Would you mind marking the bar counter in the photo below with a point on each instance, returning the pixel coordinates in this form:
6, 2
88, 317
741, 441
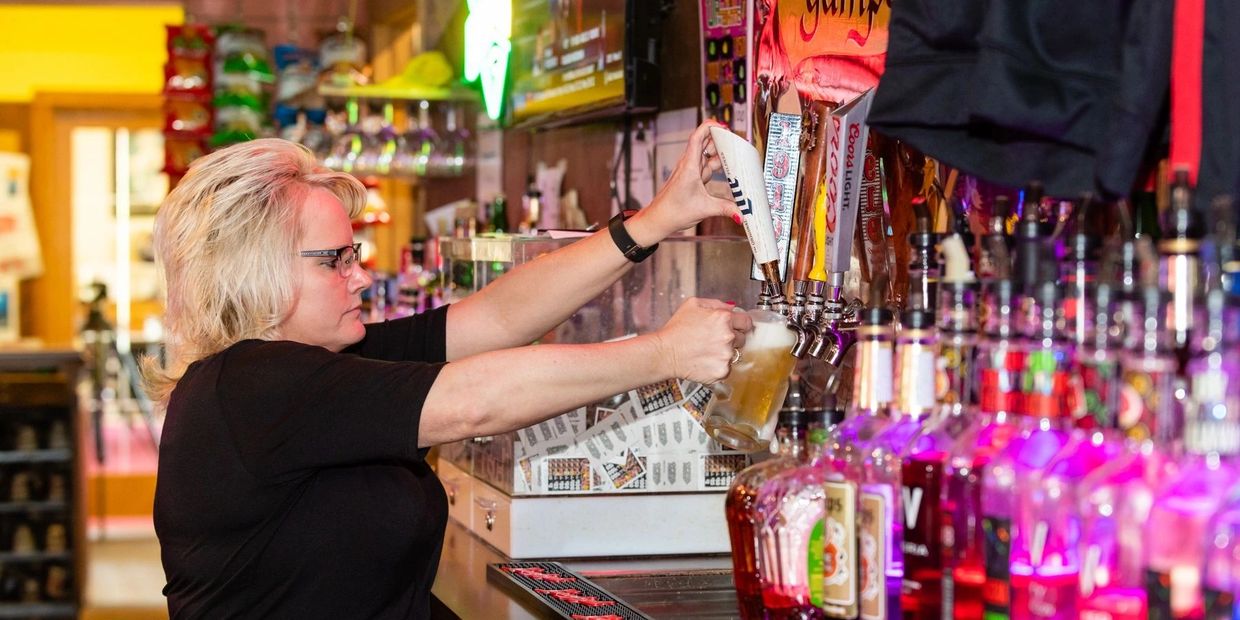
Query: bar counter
672, 587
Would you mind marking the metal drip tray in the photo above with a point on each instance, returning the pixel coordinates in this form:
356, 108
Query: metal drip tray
687, 594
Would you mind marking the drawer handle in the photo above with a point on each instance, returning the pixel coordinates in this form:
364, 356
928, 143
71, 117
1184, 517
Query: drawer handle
489, 506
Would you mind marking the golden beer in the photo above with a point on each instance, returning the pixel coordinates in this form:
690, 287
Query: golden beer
742, 413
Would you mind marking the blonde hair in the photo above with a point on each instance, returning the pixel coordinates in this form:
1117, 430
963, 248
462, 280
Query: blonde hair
226, 241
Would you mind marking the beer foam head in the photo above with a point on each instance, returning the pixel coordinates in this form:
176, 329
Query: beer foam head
770, 335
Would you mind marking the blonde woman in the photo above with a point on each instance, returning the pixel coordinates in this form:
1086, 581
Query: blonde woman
291, 480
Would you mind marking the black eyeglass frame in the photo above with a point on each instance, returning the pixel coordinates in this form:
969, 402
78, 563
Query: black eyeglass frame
337, 253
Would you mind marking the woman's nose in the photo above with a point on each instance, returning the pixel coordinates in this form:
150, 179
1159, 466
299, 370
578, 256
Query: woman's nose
360, 279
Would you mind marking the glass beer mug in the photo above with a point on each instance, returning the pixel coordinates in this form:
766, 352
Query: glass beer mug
741, 414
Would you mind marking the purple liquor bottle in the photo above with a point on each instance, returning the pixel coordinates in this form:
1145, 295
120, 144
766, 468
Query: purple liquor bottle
874, 494
1176, 533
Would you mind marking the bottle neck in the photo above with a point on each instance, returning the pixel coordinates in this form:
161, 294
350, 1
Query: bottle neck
915, 372
873, 376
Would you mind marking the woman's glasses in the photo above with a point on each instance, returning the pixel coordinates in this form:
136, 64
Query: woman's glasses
344, 257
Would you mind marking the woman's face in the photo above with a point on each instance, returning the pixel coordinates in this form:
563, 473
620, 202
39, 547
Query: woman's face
327, 307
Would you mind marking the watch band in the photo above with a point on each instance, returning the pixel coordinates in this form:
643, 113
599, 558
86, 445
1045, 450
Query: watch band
628, 247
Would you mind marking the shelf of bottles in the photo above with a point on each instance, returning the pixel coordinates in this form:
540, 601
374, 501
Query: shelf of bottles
393, 136
38, 546
1053, 432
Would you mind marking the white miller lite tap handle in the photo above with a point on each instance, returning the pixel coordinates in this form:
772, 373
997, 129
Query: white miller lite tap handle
743, 168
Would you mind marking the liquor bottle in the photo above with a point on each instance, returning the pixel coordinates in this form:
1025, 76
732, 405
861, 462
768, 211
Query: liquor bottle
929, 535
998, 362
1042, 561
923, 269
1043, 381
882, 491
1221, 580
1176, 532
789, 516
1114, 500
739, 506
992, 259
838, 574
531, 207
1147, 404
1078, 273
920, 457
1029, 248
1179, 266
872, 392
498, 216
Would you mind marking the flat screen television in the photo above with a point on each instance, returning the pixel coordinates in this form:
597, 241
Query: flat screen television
576, 60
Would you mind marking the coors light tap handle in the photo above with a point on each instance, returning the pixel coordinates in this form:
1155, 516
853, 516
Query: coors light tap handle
743, 168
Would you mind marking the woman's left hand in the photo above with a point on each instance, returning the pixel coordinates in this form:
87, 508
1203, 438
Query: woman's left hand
687, 198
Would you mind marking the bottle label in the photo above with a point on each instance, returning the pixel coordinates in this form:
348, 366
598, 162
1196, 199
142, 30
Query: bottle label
1045, 384
1219, 605
814, 564
839, 553
872, 527
1098, 395
1158, 595
922, 528
1143, 394
997, 591
998, 385
954, 375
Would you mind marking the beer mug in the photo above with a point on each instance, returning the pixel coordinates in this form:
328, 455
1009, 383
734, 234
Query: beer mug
742, 413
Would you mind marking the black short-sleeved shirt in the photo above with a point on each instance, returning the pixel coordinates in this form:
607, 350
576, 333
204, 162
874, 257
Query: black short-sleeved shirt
291, 484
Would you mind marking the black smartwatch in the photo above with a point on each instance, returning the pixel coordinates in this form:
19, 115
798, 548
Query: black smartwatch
628, 247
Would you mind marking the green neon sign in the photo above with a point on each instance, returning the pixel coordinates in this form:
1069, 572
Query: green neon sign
488, 30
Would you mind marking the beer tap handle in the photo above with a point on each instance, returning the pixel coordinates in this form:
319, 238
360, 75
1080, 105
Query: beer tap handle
744, 171
810, 211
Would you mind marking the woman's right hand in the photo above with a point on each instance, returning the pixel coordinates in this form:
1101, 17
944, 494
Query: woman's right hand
697, 342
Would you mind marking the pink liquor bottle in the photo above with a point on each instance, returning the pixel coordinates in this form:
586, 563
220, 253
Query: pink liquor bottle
739, 505
1046, 564
1221, 581
788, 517
1176, 532
1044, 432
1115, 500
998, 364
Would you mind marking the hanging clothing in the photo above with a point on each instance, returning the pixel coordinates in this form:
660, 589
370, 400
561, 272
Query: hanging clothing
1069, 93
